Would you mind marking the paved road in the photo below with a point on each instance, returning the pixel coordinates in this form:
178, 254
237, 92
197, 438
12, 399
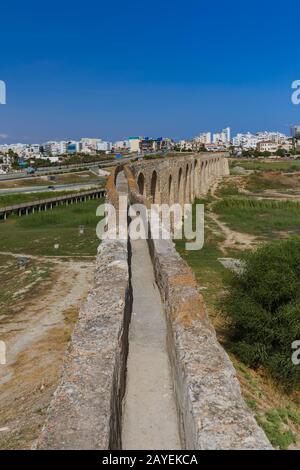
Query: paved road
66, 168
58, 187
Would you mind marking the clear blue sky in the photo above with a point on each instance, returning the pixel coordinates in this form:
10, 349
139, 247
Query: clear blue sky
174, 68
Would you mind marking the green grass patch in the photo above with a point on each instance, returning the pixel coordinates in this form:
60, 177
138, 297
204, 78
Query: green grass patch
209, 272
276, 411
38, 233
288, 166
228, 188
259, 217
275, 428
17, 283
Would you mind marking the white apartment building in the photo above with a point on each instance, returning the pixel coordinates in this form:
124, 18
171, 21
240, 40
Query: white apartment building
222, 137
267, 146
55, 148
276, 137
215, 147
104, 146
187, 145
121, 144
203, 138
89, 145
245, 141
16, 148
31, 151
134, 144
250, 141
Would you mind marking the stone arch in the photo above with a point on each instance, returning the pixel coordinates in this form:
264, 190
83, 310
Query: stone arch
180, 187
195, 179
171, 190
154, 188
186, 185
200, 179
206, 176
141, 183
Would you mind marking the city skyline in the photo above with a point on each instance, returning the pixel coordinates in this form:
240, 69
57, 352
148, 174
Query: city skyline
101, 69
4, 140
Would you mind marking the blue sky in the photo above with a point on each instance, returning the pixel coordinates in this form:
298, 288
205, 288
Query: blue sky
172, 68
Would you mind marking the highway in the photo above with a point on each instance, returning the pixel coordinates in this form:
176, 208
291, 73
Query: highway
44, 188
65, 168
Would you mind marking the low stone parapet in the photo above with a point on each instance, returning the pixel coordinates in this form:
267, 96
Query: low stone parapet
212, 412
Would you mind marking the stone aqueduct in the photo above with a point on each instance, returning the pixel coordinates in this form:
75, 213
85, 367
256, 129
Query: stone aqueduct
180, 180
87, 409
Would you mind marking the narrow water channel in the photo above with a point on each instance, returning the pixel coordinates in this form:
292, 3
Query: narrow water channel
149, 415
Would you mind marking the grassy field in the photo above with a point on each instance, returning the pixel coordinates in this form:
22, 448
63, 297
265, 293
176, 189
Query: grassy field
16, 283
286, 183
276, 412
266, 218
39, 305
292, 165
37, 233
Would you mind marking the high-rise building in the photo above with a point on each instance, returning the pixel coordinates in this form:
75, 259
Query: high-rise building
226, 133
134, 144
295, 131
203, 138
222, 137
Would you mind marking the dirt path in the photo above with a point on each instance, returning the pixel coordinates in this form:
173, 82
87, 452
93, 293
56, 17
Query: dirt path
233, 239
273, 194
36, 339
52, 259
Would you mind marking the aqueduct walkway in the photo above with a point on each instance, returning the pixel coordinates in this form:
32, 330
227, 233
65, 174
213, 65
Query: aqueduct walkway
145, 323
149, 416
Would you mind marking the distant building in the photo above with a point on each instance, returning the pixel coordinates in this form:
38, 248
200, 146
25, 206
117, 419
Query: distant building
134, 144
245, 141
32, 151
72, 147
148, 144
203, 138
295, 132
89, 145
104, 146
250, 141
222, 137
267, 146
215, 147
121, 145
55, 148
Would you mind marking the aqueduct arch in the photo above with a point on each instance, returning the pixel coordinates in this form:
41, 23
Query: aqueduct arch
154, 188
179, 179
141, 183
171, 198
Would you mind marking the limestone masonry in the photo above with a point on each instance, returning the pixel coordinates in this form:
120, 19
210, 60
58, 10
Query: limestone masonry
86, 411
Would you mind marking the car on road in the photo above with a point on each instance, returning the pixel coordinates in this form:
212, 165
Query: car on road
51, 187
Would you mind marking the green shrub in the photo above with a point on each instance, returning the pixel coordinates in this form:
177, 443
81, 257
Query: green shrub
263, 306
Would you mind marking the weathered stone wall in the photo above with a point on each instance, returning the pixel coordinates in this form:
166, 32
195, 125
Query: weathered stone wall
179, 179
86, 411
212, 413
